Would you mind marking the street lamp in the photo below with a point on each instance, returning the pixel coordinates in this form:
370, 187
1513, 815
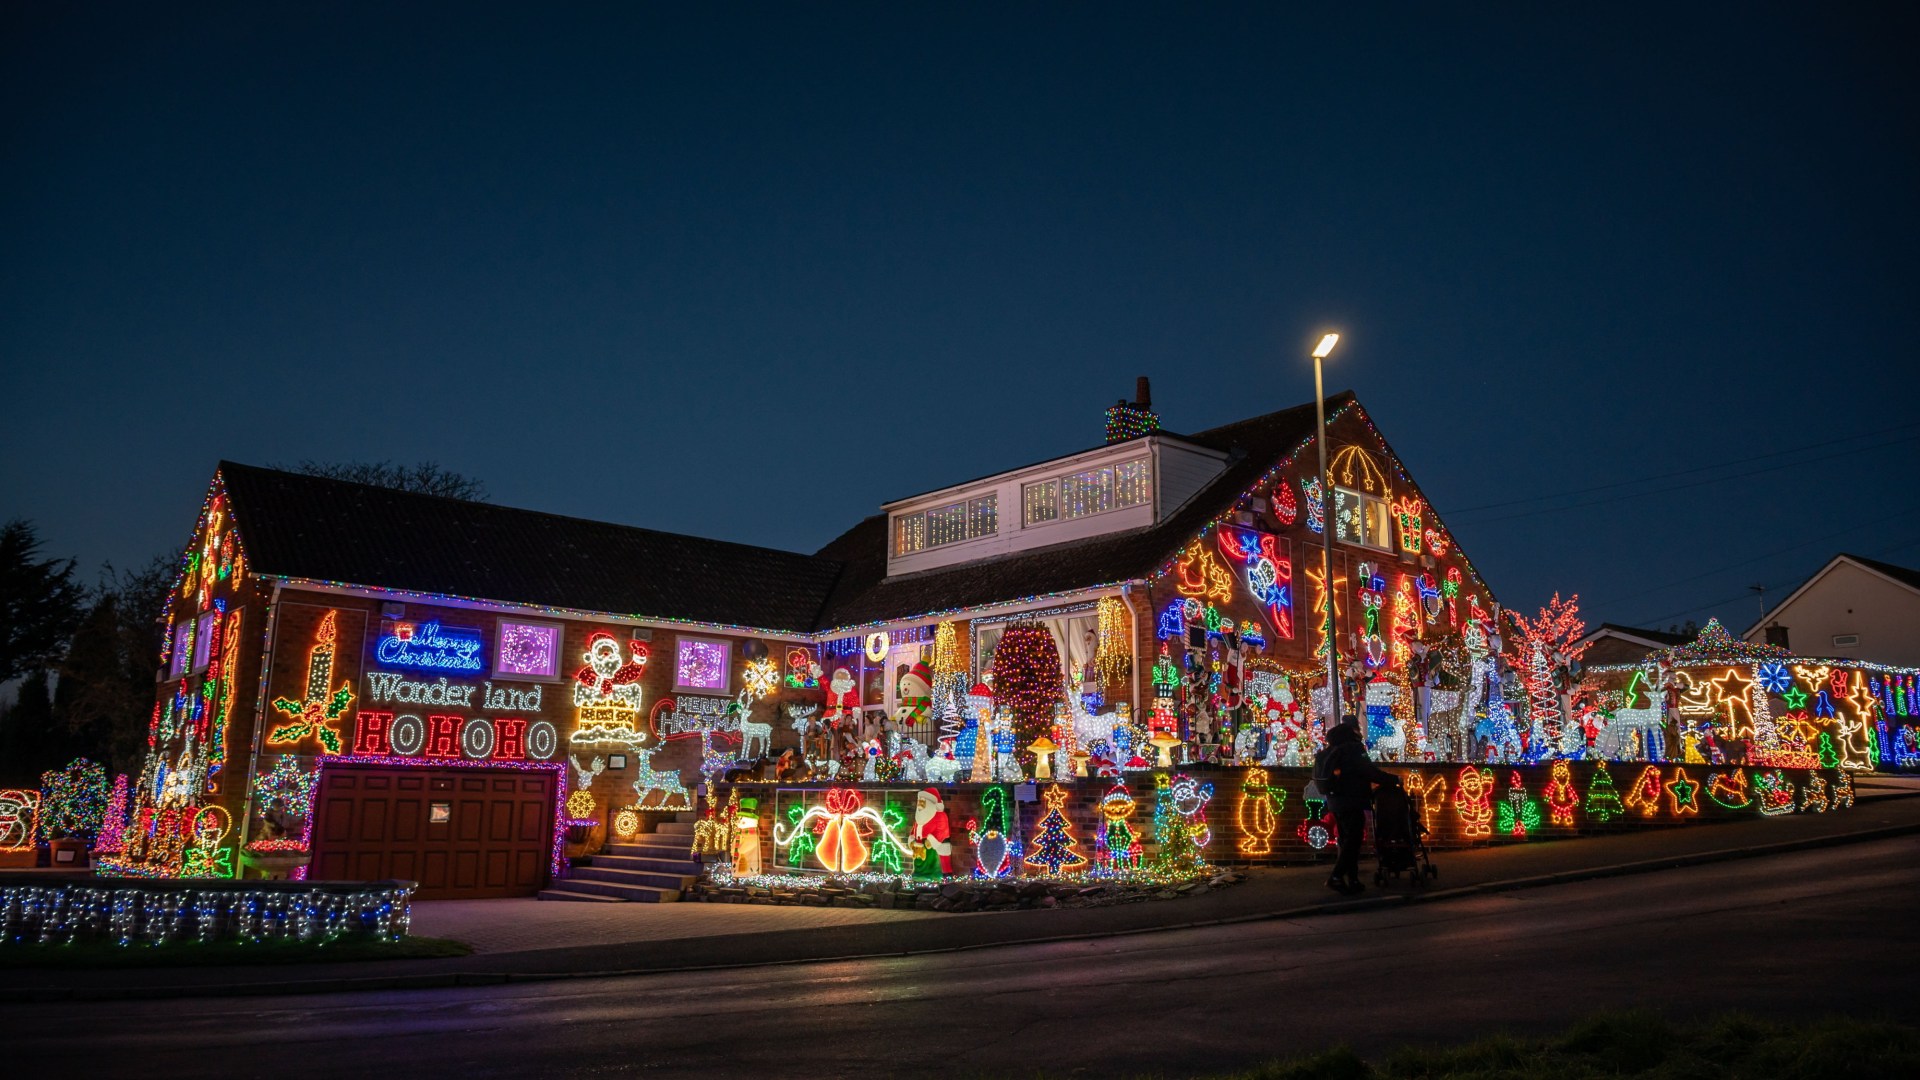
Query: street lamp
1320, 353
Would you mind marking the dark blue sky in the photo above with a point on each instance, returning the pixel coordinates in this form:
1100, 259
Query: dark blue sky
752, 274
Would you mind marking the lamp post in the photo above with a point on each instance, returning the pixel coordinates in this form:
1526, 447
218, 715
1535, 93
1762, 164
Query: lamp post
1320, 353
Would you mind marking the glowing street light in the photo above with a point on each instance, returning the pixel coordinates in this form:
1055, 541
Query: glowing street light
1320, 353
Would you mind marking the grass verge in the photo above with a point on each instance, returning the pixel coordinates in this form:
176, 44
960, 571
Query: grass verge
96, 954
1638, 1043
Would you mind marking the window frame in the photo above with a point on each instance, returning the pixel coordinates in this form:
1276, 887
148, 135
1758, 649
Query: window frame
1361, 499
969, 509
726, 672
559, 649
1058, 484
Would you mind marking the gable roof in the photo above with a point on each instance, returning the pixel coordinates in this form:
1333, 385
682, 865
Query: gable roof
1899, 575
323, 530
865, 594
320, 529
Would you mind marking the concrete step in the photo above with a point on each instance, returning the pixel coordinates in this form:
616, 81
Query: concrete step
678, 865
653, 851
625, 876
643, 894
672, 828
579, 897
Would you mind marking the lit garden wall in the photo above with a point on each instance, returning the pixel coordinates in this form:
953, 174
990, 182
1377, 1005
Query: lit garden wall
145, 911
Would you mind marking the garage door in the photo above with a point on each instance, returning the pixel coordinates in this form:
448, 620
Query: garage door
460, 833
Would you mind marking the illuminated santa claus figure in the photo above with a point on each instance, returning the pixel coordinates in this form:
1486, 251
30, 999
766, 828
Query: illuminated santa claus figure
607, 680
932, 851
843, 695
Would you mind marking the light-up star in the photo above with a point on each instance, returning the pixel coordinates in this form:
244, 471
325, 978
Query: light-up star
1795, 698
1684, 792
1732, 685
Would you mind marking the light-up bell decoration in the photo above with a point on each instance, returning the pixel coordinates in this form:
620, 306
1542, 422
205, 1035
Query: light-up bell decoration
840, 846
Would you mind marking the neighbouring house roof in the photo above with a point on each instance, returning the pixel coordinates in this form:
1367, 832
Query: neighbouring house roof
1652, 639
311, 527
1899, 575
302, 527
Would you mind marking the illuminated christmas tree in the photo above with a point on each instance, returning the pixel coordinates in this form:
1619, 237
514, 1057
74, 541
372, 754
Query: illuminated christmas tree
1027, 682
113, 824
1603, 800
1054, 846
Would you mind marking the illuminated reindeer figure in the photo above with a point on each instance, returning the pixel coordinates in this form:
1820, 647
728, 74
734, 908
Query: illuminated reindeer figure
666, 784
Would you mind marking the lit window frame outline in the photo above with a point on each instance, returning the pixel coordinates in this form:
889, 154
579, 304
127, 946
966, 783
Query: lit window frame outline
559, 655
200, 657
1060, 515
726, 676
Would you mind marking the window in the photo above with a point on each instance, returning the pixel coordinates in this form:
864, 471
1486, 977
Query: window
968, 519
203, 640
1361, 519
182, 648
1083, 494
701, 664
527, 650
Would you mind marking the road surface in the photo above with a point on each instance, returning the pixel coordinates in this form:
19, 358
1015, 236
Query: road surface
1829, 929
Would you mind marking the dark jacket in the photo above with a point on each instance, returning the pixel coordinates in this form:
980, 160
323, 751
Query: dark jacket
1349, 773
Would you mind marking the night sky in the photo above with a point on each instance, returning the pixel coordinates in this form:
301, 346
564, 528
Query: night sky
751, 275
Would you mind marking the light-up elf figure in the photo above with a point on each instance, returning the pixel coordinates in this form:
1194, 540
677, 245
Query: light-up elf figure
1118, 845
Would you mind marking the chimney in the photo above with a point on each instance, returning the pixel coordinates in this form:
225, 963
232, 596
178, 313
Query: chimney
1132, 419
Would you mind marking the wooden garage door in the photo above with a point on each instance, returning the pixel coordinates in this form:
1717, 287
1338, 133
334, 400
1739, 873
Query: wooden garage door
375, 823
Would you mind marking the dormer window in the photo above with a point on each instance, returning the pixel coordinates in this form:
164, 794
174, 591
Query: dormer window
968, 519
1089, 492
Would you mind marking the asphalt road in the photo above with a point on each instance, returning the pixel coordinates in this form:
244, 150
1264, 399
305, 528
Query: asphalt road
1831, 929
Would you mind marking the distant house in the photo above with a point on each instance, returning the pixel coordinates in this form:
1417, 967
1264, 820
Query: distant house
1611, 643
1854, 607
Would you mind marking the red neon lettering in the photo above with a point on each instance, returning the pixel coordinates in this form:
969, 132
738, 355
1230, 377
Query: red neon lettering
371, 733
443, 736
510, 738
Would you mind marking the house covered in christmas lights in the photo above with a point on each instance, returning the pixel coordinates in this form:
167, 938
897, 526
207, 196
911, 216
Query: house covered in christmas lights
363, 683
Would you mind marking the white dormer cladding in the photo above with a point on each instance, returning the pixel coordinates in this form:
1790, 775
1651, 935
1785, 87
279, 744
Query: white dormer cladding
1114, 488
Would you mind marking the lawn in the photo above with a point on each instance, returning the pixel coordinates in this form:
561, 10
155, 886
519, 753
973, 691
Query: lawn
1639, 1044
94, 954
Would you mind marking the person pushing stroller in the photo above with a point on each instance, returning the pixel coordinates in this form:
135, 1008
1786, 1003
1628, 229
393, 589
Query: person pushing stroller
1346, 777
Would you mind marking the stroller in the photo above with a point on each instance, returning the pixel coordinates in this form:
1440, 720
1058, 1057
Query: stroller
1399, 839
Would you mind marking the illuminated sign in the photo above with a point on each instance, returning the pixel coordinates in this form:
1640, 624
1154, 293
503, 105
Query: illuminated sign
431, 645
387, 686
478, 738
